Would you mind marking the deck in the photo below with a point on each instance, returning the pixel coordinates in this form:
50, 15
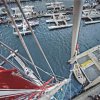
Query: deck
89, 62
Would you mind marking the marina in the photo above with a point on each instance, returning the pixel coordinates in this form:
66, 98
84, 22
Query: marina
89, 64
23, 31
31, 22
90, 94
60, 21
55, 6
59, 17
91, 16
51, 14
51, 66
13, 1
23, 27
28, 10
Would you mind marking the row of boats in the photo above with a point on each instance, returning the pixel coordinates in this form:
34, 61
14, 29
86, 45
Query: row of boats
90, 14
56, 13
13, 1
20, 21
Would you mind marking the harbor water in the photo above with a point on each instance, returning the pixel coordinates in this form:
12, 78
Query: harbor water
56, 45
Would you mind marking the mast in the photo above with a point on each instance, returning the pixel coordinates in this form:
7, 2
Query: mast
77, 11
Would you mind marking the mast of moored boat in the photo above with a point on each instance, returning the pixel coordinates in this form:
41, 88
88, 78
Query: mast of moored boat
77, 11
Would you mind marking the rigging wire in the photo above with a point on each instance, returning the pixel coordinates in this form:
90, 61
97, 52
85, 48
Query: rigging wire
18, 67
34, 36
20, 36
19, 55
11, 63
70, 76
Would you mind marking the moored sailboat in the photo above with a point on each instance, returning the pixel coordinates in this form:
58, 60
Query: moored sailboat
87, 62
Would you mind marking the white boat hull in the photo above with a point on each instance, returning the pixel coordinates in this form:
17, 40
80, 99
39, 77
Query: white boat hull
92, 22
32, 23
59, 20
78, 74
51, 14
60, 26
55, 7
90, 65
48, 4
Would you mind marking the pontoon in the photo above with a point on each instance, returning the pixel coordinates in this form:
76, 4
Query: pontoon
59, 17
60, 21
91, 16
55, 6
86, 65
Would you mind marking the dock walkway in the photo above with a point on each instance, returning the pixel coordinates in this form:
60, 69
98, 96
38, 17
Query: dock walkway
90, 92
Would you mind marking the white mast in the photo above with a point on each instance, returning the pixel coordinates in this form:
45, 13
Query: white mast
77, 11
54, 89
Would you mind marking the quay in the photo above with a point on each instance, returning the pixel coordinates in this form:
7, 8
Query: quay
88, 94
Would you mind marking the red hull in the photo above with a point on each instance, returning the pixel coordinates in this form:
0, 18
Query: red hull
10, 80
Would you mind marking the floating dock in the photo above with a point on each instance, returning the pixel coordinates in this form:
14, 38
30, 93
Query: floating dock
31, 22
89, 94
28, 11
22, 32
51, 14
91, 16
55, 6
58, 17
89, 62
59, 20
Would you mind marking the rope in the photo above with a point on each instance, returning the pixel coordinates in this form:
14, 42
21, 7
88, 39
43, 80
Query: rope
14, 65
41, 69
34, 36
70, 75
19, 55
4, 59
20, 36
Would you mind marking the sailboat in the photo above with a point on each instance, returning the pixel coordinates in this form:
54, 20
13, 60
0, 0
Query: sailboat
28, 10
86, 66
55, 5
14, 86
9, 1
